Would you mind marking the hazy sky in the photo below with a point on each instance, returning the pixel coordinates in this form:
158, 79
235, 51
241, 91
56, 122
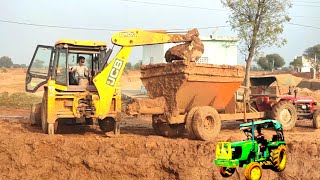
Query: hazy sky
19, 41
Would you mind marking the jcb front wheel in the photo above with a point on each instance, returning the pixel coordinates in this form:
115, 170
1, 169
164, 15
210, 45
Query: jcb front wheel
278, 158
107, 124
253, 171
227, 172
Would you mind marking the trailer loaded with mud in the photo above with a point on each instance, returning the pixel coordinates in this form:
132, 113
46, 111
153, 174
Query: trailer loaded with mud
196, 97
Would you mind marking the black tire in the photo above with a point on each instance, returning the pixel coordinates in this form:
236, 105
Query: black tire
278, 158
286, 113
316, 119
188, 121
253, 171
107, 124
227, 172
206, 123
164, 129
155, 125
44, 122
35, 114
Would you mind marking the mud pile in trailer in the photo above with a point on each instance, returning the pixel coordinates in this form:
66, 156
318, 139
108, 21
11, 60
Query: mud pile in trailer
81, 152
190, 51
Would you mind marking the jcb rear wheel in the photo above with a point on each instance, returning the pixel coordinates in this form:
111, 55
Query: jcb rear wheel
35, 114
227, 172
286, 113
46, 127
253, 171
206, 123
278, 158
316, 119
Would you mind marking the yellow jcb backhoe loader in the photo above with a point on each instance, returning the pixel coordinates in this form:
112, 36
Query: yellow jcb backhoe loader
100, 99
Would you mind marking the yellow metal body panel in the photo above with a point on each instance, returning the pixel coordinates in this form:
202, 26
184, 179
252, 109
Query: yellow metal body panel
107, 81
223, 150
81, 43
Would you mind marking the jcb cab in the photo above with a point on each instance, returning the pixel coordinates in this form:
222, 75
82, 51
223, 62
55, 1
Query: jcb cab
64, 96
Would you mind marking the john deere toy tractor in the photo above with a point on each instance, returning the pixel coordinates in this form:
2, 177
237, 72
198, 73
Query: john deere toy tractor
255, 153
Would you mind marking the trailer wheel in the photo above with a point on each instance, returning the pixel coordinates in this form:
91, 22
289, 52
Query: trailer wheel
279, 158
253, 171
286, 113
206, 123
316, 119
166, 129
107, 124
227, 172
188, 121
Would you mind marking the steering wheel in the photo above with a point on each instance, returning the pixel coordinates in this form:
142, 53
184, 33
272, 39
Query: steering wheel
74, 78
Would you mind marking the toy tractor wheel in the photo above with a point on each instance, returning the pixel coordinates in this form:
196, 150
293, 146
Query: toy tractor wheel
164, 129
279, 158
46, 127
35, 114
286, 113
316, 119
188, 121
206, 123
227, 172
253, 171
107, 124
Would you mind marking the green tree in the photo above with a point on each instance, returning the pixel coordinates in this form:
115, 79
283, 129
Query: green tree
296, 63
271, 61
16, 66
259, 24
128, 66
23, 65
38, 63
5, 62
313, 55
137, 65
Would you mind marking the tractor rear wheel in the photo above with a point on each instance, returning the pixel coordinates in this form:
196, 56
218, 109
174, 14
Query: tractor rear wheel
279, 158
165, 129
107, 124
227, 172
253, 171
316, 119
286, 113
206, 123
188, 121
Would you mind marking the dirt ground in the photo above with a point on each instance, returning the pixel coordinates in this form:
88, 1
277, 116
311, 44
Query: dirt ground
83, 152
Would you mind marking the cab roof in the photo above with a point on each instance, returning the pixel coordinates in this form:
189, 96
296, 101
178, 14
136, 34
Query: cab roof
81, 43
269, 123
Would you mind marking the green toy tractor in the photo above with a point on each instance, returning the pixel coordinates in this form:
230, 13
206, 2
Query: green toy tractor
255, 153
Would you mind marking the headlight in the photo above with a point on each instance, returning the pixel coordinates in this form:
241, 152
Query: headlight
303, 107
233, 149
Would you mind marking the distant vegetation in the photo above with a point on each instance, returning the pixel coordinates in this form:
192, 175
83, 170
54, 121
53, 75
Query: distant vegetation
6, 62
18, 100
136, 66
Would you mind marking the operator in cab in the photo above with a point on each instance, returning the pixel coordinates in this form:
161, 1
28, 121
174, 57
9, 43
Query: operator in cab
81, 72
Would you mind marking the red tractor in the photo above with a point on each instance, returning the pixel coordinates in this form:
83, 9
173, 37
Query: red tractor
274, 94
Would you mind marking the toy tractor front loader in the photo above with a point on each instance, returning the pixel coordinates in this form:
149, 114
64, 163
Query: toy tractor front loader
254, 153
